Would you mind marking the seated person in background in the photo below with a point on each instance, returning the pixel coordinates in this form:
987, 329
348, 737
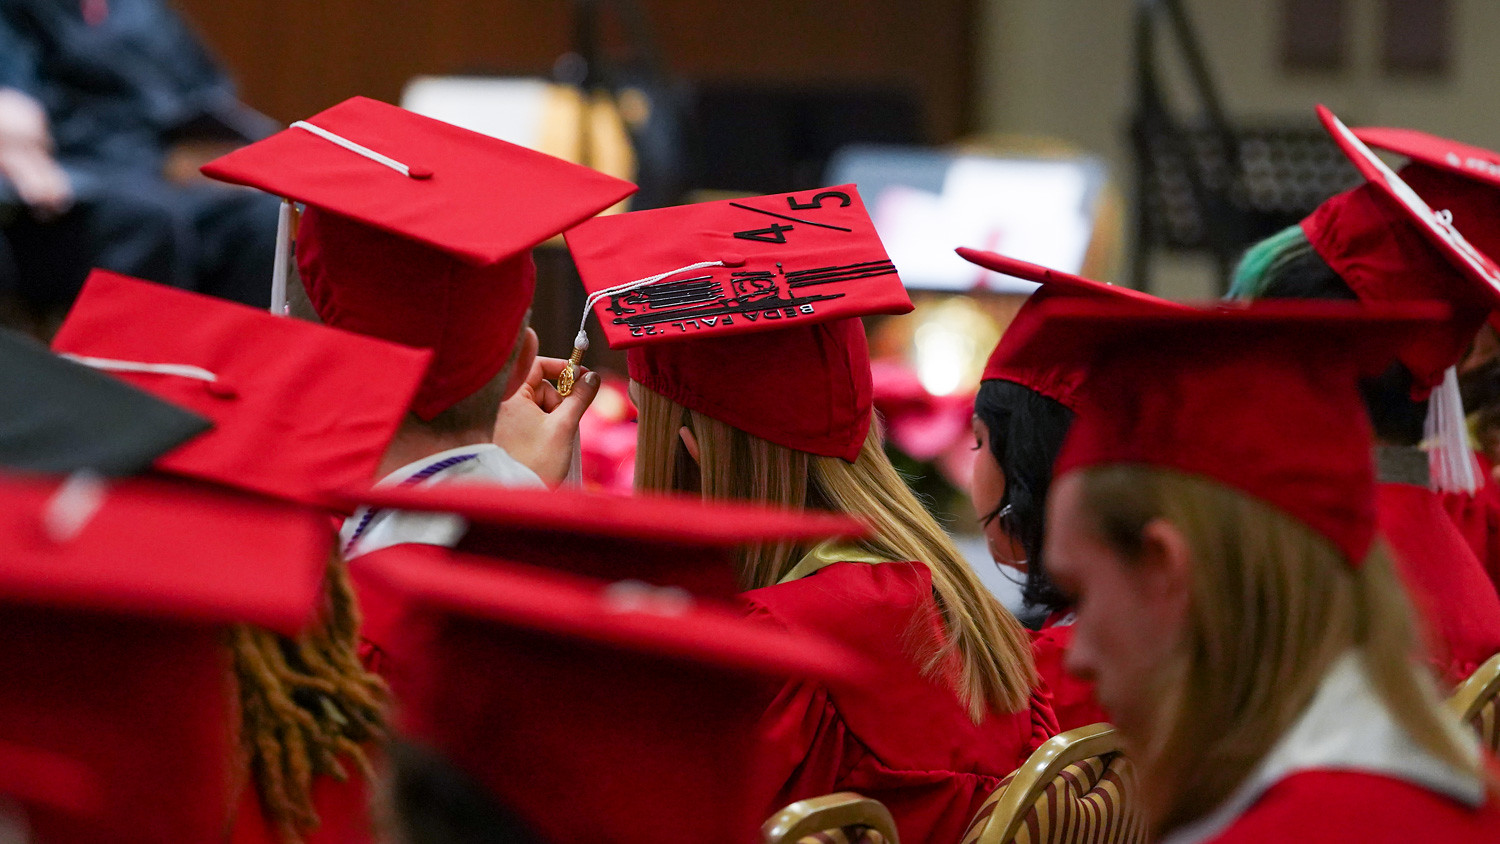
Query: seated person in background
1021, 414
1364, 245
436, 259
1461, 180
783, 416
103, 108
1241, 621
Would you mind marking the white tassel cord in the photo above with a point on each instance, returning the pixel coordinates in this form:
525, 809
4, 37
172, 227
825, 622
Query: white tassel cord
283, 266
1450, 458
179, 370
581, 342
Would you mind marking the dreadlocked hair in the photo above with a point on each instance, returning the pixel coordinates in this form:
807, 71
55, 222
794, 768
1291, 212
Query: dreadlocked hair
306, 706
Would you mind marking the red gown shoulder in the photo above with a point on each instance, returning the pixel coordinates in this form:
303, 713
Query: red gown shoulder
1450, 588
897, 736
1072, 699
1477, 518
1323, 806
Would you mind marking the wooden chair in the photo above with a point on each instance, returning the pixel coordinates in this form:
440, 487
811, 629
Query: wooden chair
843, 818
1477, 702
1076, 789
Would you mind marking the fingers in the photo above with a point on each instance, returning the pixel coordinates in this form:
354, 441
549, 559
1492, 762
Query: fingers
572, 408
550, 368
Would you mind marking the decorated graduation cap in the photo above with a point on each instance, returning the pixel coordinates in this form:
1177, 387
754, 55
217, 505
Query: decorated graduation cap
1459, 180
747, 310
417, 231
1388, 244
1037, 365
63, 417
1263, 397
113, 599
298, 409
661, 540
544, 686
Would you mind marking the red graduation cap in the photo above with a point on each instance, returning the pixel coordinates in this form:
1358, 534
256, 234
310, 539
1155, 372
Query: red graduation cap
1471, 162
1388, 244
663, 540
1456, 178
420, 232
596, 711
298, 408
1037, 366
1263, 398
114, 705
745, 310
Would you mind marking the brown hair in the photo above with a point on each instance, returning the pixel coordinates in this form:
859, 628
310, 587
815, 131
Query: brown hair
1273, 605
989, 647
307, 706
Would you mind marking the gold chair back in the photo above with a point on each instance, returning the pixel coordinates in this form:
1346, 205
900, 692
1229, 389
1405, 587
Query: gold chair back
843, 818
1077, 788
1477, 702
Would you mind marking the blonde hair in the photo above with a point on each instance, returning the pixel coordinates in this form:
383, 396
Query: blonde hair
989, 649
1273, 605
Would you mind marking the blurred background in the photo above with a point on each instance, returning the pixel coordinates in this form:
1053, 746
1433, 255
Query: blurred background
1143, 142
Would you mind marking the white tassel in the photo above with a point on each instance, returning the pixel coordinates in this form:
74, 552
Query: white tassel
1450, 459
283, 265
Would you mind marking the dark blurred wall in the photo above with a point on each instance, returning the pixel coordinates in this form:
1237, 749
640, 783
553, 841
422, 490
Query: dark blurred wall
294, 57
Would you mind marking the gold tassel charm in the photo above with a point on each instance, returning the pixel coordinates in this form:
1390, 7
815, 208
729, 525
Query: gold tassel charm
565, 379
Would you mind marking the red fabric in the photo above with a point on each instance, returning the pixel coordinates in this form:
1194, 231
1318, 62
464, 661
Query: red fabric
480, 199
1072, 699
113, 730
298, 409
753, 343
439, 260
343, 812
1452, 593
1387, 244
381, 285
1477, 517
168, 549
1036, 366
1323, 806
666, 540
545, 686
1474, 164
1192, 392
896, 736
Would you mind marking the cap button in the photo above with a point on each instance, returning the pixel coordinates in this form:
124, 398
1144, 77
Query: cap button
733, 259
221, 390
418, 172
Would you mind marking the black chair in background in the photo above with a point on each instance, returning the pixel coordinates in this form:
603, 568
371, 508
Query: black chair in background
1206, 184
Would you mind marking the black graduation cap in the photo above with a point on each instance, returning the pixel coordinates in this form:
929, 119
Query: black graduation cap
60, 417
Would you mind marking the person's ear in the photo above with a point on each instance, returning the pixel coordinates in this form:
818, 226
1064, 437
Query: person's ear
689, 441
1165, 567
524, 359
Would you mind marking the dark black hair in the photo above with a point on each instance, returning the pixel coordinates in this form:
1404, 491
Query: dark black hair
435, 803
1395, 415
1026, 430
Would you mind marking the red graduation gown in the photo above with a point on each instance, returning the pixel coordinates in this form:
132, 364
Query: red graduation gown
1072, 699
1326, 806
1477, 517
897, 736
1449, 587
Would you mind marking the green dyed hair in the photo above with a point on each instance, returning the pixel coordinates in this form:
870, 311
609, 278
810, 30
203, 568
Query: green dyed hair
1261, 262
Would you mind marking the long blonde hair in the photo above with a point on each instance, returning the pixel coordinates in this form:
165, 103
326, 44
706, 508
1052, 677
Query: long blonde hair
1273, 606
990, 649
